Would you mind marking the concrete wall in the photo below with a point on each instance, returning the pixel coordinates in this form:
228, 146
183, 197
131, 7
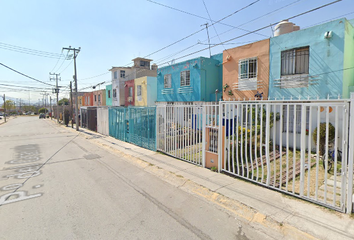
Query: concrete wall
205, 78
212, 77
127, 85
109, 95
260, 50
177, 93
348, 72
325, 61
99, 97
148, 91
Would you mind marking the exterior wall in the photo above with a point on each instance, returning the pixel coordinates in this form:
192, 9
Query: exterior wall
118, 84
260, 50
99, 97
87, 99
211, 80
177, 93
129, 101
151, 91
326, 58
109, 95
348, 73
148, 91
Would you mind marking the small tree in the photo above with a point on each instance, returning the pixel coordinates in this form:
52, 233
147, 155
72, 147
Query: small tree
331, 135
63, 101
43, 110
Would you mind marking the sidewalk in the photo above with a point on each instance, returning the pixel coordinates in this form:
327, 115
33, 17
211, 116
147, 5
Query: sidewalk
262, 208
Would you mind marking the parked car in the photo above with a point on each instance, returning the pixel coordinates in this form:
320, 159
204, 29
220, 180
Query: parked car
42, 115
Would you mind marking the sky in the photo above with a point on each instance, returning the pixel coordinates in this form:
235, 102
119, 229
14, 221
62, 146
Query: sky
113, 32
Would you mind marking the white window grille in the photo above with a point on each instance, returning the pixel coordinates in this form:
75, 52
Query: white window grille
114, 93
138, 91
185, 78
247, 74
292, 119
122, 73
167, 81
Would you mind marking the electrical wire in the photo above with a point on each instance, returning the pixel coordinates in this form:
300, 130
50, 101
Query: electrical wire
25, 75
30, 51
259, 29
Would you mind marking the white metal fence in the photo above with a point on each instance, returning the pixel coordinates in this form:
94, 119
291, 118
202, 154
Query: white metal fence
276, 144
302, 148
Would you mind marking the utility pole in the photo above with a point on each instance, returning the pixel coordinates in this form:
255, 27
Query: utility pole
56, 90
76, 52
206, 26
71, 104
4, 98
51, 109
45, 101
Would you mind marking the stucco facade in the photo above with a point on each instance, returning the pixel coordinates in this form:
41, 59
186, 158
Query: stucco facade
129, 93
109, 95
246, 71
99, 98
190, 81
145, 91
329, 62
87, 99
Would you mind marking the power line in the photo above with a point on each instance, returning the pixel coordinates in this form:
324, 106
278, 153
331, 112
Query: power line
25, 75
30, 51
259, 29
209, 19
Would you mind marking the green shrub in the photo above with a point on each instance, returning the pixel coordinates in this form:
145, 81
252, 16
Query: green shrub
331, 135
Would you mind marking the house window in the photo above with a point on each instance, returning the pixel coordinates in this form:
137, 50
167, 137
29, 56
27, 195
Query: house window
167, 81
185, 78
295, 61
122, 73
99, 97
293, 121
130, 91
115, 75
114, 93
144, 63
109, 93
95, 98
247, 74
138, 91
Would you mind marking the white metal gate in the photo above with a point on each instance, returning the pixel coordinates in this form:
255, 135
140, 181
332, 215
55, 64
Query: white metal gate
300, 148
102, 120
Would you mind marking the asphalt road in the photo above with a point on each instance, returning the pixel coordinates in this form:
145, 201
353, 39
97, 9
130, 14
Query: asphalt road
55, 184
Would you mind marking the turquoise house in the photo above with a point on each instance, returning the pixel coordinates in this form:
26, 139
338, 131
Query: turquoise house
109, 95
316, 62
195, 80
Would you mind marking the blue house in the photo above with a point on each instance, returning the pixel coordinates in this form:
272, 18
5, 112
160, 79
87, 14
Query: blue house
316, 62
195, 80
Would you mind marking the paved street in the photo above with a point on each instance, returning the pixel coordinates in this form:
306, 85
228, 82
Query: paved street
56, 184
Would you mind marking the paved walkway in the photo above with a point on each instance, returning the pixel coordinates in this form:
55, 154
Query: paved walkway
273, 211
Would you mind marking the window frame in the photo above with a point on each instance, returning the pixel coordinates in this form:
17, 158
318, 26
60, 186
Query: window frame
114, 93
122, 73
138, 90
130, 91
247, 80
109, 93
169, 84
115, 74
185, 79
291, 61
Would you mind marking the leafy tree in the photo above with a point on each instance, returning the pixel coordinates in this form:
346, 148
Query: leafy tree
43, 110
9, 104
63, 101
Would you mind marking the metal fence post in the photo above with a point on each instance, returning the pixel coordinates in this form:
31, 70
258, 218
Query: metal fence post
350, 156
203, 133
303, 149
267, 141
220, 136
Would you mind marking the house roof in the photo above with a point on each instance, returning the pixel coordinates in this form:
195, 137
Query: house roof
144, 59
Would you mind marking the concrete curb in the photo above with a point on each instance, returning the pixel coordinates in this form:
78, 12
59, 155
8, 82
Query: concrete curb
277, 215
